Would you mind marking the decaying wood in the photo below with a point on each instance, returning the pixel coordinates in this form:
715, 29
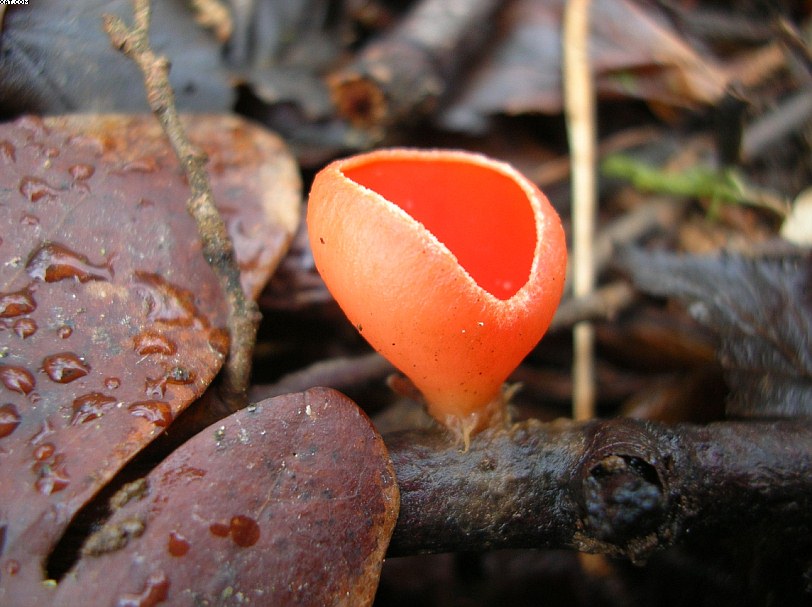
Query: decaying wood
403, 74
619, 487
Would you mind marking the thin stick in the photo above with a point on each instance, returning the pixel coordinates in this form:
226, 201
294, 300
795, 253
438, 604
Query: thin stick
243, 315
579, 102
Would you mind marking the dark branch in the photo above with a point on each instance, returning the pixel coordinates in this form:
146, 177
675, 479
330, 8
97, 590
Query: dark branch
403, 74
620, 487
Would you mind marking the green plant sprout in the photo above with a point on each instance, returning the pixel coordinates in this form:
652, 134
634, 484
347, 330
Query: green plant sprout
718, 186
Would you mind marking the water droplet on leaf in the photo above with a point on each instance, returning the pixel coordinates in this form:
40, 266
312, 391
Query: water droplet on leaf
17, 379
36, 189
177, 544
8, 153
16, 304
244, 530
44, 451
51, 477
155, 388
9, 419
155, 411
155, 591
166, 302
219, 341
28, 220
64, 367
91, 406
140, 165
25, 327
180, 375
53, 262
151, 342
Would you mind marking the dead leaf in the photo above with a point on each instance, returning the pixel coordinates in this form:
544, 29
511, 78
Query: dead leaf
281, 49
633, 53
291, 501
56, 58
111, 321
761, 310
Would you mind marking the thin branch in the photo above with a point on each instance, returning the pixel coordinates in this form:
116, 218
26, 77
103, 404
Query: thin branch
579, 101
243, 317
775, 126
620, 487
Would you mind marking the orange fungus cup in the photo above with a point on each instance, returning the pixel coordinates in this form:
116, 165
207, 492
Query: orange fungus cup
450, 264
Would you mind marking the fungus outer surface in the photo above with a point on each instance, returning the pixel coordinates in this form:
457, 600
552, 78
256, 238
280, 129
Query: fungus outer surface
450, 264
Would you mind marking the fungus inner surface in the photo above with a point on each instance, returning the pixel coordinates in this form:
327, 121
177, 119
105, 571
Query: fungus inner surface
482, 215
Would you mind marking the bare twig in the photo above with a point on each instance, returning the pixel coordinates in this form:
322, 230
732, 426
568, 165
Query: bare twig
579, 101
786, 118
243, 317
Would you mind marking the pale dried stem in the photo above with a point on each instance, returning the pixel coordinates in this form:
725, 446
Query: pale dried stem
243, 314
579, 104
214, 15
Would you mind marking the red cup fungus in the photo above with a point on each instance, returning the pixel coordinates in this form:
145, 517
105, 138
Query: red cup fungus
449, 263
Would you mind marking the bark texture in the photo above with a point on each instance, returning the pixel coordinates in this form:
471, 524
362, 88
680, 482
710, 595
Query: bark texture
620, 487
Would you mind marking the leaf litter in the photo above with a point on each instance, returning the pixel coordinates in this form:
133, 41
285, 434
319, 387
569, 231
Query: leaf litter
111, 321
761, 311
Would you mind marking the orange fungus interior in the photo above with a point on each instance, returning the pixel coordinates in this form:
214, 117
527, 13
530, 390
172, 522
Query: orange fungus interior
482, 216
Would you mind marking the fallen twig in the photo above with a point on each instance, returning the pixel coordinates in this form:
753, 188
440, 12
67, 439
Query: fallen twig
620, 487
403, 74
243, 317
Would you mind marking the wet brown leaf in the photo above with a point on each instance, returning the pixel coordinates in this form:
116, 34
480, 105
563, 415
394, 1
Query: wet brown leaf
291, 501
111, 321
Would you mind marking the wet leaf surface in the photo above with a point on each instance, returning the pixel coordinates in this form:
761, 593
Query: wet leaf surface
288, 502
111, 321
761, 311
